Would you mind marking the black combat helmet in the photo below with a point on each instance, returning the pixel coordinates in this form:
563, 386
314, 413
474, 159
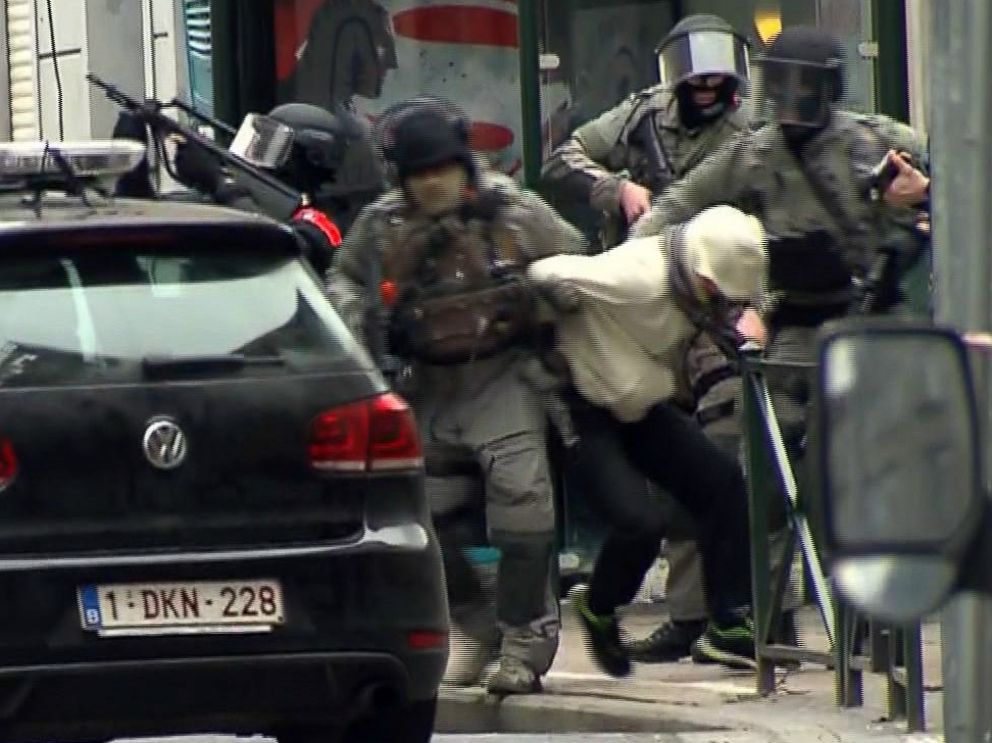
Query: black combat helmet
320, 142
303, 144
702, 45
422, 132
802, 77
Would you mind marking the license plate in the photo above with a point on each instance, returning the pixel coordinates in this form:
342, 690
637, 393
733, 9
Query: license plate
193, 607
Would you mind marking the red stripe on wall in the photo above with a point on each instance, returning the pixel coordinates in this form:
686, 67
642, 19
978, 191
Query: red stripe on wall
486, 137
458, 24
292, 24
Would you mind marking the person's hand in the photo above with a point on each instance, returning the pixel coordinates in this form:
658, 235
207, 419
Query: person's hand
751, 327
130, 126
196, 167
909, 187
634, 200
562, 295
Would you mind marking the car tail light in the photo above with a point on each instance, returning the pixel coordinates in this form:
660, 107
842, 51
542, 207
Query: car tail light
393, 440
426, 640
373, 435
8, 463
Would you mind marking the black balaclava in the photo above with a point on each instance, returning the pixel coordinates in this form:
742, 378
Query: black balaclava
809, 44
693, 116
689, 113
320, 140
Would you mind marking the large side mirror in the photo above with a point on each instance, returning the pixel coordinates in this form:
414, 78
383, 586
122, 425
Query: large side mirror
896, 446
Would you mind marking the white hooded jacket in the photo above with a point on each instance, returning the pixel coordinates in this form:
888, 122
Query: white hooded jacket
623, 344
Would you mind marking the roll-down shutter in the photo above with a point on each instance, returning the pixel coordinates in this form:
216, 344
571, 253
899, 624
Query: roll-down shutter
200, 50
23, 62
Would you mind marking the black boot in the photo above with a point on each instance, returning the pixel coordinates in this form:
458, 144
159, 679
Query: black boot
671, 642
137, 183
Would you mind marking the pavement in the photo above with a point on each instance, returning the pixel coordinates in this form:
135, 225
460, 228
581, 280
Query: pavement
692, 703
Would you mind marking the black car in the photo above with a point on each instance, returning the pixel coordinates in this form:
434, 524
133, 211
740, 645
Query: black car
212, 516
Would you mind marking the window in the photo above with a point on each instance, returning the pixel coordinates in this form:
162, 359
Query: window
93, 317
199, 49
602, 51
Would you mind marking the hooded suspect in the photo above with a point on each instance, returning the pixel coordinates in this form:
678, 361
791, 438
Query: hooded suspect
626, 340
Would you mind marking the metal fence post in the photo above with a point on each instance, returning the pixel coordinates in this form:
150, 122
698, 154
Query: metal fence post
758, 487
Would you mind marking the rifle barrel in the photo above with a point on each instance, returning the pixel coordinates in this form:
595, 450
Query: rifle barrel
204, 118
150, 111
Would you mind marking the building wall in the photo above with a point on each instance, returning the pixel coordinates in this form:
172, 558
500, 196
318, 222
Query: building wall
127, 42
917, 62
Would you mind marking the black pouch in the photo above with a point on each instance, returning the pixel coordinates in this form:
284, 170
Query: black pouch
440, 327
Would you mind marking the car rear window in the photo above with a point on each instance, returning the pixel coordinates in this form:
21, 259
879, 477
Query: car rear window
97, 316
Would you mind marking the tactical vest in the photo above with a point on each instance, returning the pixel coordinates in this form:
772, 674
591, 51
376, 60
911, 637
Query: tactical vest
656, 166
460, 289
812, 274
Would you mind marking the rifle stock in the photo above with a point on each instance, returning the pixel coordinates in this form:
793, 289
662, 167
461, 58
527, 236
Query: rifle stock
273, 197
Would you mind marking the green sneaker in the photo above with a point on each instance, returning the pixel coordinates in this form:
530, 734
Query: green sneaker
729, 645
602, 635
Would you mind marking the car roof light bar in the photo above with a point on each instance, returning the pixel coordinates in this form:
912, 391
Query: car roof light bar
95, 159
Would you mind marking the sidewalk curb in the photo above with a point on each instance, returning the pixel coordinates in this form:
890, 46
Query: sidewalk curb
473, 711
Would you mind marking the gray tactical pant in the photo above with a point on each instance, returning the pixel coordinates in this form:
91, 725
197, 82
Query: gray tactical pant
458, 502
683, 591
486, 414
791, 394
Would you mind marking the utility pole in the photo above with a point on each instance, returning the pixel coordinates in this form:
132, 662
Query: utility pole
961, 148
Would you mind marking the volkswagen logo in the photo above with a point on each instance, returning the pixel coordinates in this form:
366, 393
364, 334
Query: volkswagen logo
164, 444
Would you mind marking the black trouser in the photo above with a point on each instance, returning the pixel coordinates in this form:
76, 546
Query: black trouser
669, 448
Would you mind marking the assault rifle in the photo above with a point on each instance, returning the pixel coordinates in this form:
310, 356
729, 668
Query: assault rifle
661, 169
273, 197
868, 290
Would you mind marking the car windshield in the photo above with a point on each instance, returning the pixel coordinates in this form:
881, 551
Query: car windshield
100, 316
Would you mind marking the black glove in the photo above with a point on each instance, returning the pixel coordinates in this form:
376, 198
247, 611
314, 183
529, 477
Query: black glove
197, 168
315, 246
130, 126
136, 183
484, 206
399, 322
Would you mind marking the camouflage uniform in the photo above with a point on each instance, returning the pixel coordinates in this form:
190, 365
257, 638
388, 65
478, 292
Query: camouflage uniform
593, 163
482, 410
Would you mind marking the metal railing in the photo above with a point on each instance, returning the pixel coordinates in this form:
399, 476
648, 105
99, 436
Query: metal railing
856, 644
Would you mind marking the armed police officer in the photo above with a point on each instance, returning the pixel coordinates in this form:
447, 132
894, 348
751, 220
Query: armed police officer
616, 162
806, 175
435, 269
327, 158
